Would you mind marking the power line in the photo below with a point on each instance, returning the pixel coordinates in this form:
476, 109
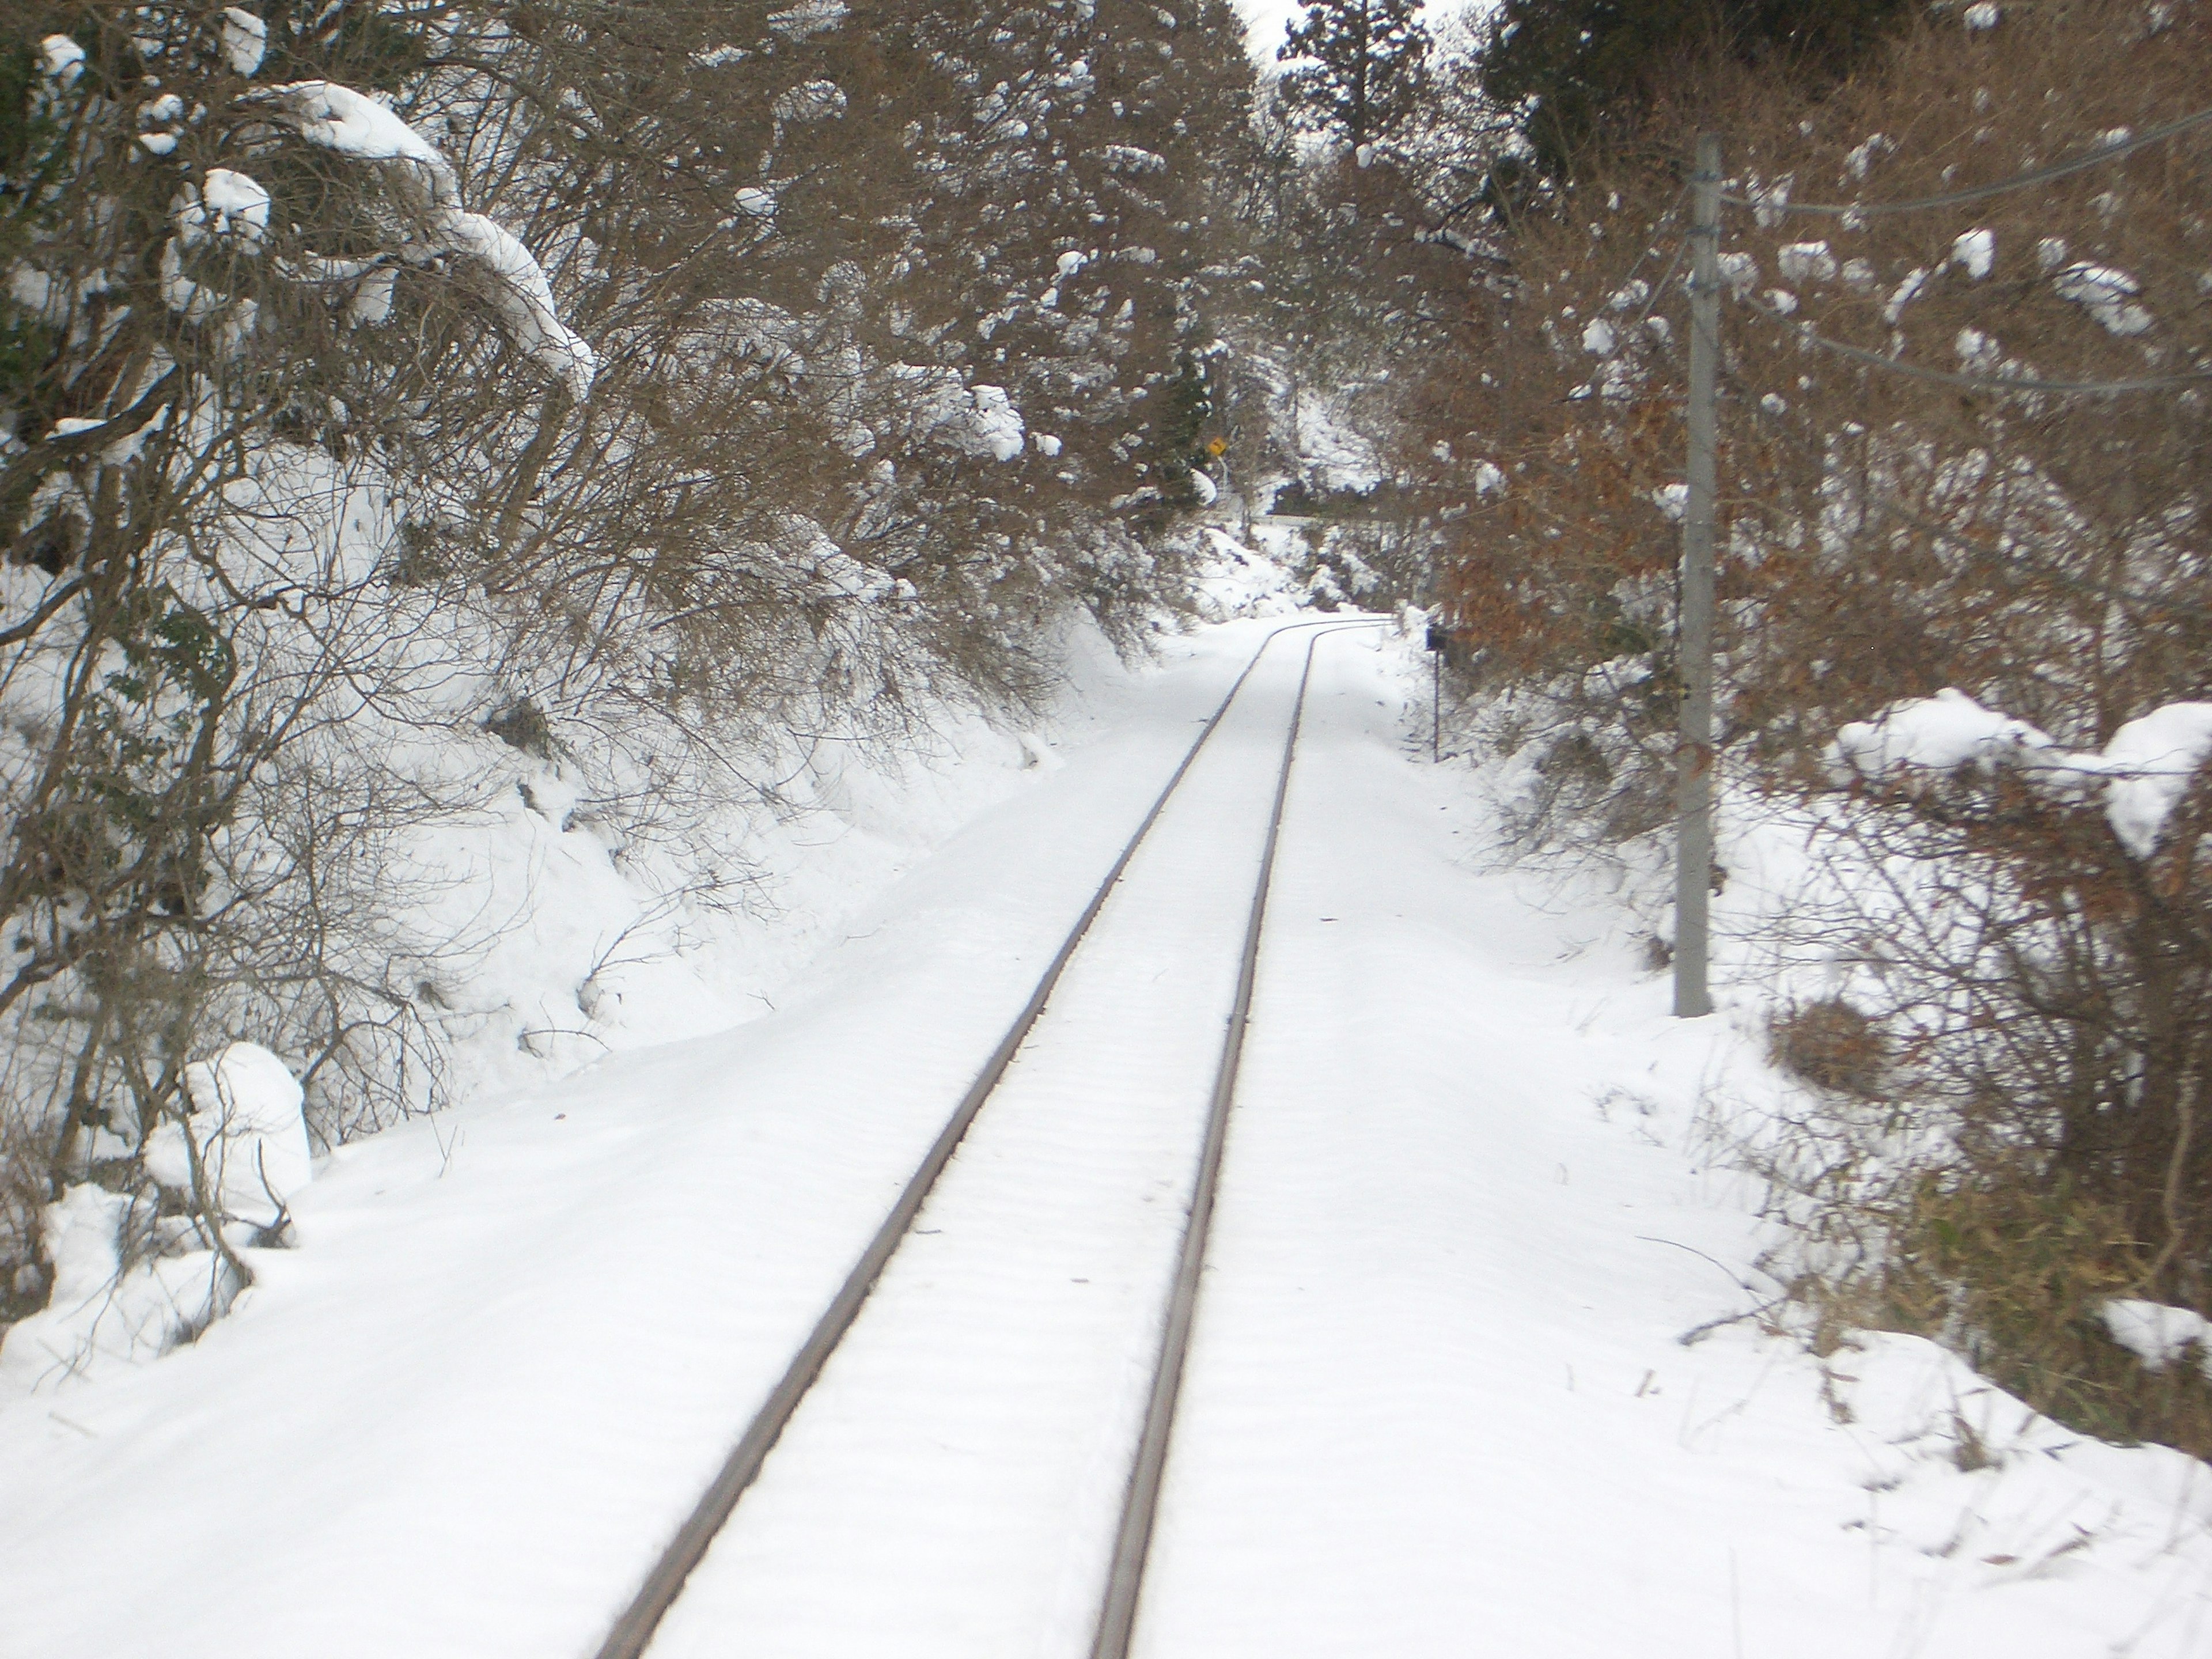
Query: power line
1674, 265
2080, 163
2009, 563
1807, 332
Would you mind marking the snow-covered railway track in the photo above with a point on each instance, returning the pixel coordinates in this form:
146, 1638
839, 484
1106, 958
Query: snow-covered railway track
1004, 1355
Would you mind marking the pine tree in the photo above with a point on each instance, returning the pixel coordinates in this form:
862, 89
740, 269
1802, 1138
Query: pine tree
1584, 68
1359, 67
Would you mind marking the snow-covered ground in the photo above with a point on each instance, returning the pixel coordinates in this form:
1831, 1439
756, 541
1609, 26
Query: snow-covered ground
1437, 1401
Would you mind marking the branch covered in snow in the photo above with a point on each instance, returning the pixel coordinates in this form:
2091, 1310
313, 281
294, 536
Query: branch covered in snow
338, 119
2145, 770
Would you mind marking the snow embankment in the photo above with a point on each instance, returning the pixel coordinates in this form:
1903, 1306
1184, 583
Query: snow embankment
132, 1279
1483, 1325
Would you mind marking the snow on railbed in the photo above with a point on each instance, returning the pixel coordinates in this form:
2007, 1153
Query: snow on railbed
1440, 1392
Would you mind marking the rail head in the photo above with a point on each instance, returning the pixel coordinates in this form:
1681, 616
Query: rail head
1125, 1571
633, 1630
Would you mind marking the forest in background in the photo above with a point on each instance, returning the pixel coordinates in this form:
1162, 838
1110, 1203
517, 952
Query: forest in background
656, 390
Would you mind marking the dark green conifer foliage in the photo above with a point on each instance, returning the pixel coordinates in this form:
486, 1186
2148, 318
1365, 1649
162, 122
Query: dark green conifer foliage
1591, 66
1358, 67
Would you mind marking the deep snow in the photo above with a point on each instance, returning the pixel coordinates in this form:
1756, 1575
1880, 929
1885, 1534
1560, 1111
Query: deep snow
1437, 1403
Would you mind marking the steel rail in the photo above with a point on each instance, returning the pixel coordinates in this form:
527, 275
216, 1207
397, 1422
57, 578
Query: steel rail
1125, 1575
632, 1632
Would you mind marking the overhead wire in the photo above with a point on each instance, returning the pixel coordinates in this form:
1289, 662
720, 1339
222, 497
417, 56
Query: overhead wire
2080, 163
1811, 336
1674, 265
1658, 288
1996, 384
2007, 565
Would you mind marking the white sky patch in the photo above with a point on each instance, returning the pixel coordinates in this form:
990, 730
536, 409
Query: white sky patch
1266, 20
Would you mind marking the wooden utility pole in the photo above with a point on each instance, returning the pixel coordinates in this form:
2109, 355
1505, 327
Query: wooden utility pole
1693, 853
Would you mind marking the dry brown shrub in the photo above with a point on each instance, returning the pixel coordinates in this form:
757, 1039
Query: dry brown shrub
2014, 1269
1831, 1045
1884, 536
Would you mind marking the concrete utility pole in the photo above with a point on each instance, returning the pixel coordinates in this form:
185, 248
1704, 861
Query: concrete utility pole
1694, 854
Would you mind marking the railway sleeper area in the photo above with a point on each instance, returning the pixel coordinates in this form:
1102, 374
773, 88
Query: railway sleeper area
1004, 1360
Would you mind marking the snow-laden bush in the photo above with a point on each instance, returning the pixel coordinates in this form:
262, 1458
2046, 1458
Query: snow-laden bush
459, 477
1963, 631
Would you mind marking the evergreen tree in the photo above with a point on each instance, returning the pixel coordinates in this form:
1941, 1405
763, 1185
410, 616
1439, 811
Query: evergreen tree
1582, 68
1359, 67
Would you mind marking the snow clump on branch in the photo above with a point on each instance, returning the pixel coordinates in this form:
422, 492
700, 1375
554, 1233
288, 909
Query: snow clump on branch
244, 39
1807, 262
2156, 1334
2105, 294
247, 1137
337, 118
1975, 253
2145, 769
60, 58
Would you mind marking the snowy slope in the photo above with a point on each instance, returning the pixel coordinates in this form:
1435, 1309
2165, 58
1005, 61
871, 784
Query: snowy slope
1437, 1403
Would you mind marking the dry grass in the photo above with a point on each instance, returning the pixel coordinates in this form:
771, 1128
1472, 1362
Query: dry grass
2009, 1270
1831, 1045
2014, 1272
